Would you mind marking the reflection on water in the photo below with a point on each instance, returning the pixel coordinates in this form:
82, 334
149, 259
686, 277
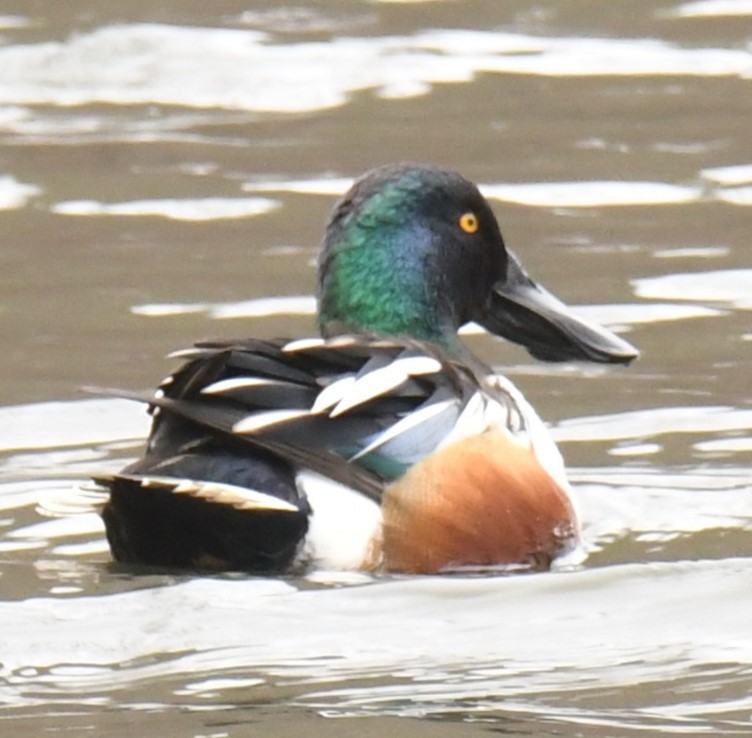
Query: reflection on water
166, 172
714, 8
14, 194
553, 194
732, 286
483, 655
204, 209
149, 63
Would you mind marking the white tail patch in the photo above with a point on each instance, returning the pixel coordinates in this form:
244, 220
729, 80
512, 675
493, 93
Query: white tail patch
344, 528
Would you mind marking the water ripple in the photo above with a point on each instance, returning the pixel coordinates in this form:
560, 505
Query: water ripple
14, 194
731, 286
572, 645
208, 208
148, 63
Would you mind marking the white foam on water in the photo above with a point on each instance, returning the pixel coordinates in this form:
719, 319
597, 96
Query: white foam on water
725, 286
653, 422
198, 209
58, 425
243, 69
261, 308
736, 196
579, 194
15, 194
713, 9
592, 194
738, 174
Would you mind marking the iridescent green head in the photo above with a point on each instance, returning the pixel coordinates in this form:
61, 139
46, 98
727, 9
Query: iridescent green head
409, 251
415, 251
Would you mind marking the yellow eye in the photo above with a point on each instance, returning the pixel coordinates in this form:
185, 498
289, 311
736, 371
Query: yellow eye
469, 222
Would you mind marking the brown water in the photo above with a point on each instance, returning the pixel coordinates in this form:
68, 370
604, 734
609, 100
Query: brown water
165, 163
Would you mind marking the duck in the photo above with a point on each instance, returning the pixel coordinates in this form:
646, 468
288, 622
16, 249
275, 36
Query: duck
382, 445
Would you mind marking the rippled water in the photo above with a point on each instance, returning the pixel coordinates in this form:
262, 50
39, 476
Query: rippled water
165, 172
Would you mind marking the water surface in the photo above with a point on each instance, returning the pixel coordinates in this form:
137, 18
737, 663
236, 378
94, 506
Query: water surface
165, 174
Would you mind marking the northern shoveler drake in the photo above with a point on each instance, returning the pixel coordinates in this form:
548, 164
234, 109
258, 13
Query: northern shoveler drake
385, 445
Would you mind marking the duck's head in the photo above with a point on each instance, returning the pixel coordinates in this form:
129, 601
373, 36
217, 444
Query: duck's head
415, 251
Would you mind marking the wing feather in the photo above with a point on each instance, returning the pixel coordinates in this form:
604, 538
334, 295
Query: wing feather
241, 498
330, 406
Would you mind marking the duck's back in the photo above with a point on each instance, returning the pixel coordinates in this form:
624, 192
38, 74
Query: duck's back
265, 455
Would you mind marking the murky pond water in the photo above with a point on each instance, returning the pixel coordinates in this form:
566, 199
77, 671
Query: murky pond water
166, 172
